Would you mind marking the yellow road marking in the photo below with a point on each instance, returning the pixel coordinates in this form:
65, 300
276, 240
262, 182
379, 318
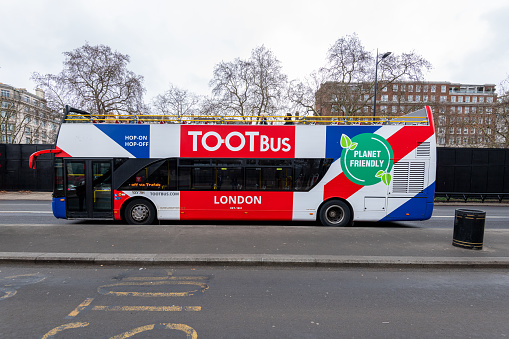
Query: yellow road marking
61, 328
105, 289
80, 308
189, 331
148, 308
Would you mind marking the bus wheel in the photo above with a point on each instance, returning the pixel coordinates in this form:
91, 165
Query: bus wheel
335, 213
140, 212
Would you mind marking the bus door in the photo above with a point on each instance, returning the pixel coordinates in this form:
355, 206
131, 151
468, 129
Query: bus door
88, 188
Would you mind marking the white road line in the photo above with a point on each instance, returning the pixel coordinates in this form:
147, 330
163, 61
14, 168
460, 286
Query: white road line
29, 212
487, 217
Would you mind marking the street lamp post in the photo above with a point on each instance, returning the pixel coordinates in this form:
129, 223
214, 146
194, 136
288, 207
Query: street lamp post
376, 75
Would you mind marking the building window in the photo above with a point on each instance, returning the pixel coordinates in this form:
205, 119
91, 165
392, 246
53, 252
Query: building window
395, 98
385, 98
433, 88
443, 98
426, 88
417, 88
394, 88
425, 98
460, 99
474, 99
444, 88
418, 98
489, 99
410, 98
453, 99
6, 93
467, 110
481, 99
467, 99
384, 89
410, 88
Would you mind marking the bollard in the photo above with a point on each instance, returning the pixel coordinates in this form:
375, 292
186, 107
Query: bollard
469, 229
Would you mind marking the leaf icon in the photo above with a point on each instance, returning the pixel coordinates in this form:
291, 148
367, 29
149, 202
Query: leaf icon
386, 178
379, 174
353, 146
345, 141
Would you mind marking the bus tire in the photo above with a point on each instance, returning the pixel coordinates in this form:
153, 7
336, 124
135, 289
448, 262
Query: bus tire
140, 212
335, 213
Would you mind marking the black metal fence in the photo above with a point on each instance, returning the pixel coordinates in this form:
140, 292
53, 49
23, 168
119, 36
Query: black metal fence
461, 172
477, 173
15, 175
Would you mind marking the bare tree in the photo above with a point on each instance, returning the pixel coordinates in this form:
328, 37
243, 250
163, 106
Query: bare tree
95, 79
349, 76
495, 126
302, 93
231, 87
176, 101
250, 87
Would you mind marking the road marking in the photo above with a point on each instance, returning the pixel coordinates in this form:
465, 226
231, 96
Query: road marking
80, 308
29, 212
61, 328
487, 217
189, 331
106, 289
148, 308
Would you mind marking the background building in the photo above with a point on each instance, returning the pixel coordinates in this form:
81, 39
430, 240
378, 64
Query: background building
25, 117
464, 114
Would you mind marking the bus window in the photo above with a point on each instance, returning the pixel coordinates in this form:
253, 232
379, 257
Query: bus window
155, 177
276, 178
59, 178
203, 179
231, 178
269, 178
309, 171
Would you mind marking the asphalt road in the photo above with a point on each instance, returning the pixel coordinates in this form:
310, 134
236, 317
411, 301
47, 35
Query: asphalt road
48, 301
34, 212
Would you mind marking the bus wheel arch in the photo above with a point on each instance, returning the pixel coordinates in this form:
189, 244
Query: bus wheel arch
138, 211
335, 212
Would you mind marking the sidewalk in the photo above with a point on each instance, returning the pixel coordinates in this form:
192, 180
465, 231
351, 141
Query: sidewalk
25, 195
262, 245
253, 244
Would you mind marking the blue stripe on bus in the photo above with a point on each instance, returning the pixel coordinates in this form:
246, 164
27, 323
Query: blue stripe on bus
419, 207
333, 147
58, 206
133, 138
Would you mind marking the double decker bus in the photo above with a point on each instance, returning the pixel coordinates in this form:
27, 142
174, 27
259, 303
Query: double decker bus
334, 170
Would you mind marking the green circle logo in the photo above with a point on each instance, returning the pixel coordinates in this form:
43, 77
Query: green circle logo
366, 159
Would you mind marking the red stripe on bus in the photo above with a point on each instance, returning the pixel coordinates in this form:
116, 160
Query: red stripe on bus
401, 140
342, 187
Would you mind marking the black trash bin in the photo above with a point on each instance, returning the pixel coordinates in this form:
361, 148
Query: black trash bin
469, 229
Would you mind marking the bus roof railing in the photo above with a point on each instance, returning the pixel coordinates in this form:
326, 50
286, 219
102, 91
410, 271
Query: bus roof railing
78, 116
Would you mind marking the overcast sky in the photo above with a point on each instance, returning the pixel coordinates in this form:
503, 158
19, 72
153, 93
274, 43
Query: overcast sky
180, 42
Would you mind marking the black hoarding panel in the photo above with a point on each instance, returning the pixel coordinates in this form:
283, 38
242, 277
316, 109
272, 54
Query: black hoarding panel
462, 176
496, 156
3, 150
13, 151
463, 156
495, 179
480, 157
3, 173
446, 156
479, 179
